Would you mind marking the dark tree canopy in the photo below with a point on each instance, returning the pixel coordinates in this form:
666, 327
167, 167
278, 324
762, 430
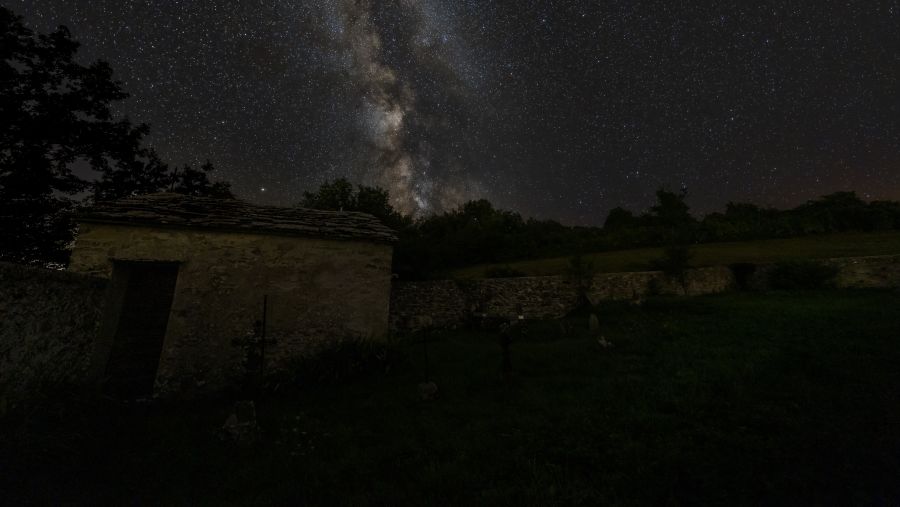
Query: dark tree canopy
340, 195
196, 182
150, 174
140, 176
331, 195
671, 210
619, 218
56, 114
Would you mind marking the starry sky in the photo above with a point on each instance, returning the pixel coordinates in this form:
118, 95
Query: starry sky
555, 109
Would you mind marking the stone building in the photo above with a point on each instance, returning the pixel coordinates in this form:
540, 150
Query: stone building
192, 280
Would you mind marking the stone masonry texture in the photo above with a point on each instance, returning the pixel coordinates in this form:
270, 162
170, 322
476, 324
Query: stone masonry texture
448, 303
48, 321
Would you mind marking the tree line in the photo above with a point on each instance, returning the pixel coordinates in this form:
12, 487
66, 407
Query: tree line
477, 233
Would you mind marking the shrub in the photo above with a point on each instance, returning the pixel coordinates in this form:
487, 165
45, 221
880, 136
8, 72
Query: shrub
675, 261
793, 275
503, 272
580, 273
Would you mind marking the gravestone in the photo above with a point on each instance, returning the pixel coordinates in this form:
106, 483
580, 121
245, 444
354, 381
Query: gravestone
594, 324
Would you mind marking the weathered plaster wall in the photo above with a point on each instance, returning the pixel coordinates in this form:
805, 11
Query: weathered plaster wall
448, 303
317, 290
47, 325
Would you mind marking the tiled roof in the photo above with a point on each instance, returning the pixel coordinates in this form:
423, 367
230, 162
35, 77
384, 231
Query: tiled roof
178, 210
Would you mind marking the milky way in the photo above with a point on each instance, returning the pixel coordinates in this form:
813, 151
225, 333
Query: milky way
393, 157
557, 109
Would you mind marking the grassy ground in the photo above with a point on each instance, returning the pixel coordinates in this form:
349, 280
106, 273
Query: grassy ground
762, 251
778, 398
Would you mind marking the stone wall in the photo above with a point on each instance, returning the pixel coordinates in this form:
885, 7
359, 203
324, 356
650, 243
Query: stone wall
873, 272
881, 271
448, 303
48, 320
317, 290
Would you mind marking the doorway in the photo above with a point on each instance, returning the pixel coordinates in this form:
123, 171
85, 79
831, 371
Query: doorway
145, 290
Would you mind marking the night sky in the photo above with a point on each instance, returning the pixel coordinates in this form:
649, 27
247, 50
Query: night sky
555, 109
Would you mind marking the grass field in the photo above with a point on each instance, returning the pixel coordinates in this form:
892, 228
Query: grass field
711, 254
779, 398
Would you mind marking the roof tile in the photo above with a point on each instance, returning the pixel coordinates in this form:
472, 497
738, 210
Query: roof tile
178, 210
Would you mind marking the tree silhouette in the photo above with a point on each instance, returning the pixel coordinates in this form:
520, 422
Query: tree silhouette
149, 174
139, 176
339, 195
332, 195
671, 211
56, 112
196, 182
619, 218
673, 214
57, 115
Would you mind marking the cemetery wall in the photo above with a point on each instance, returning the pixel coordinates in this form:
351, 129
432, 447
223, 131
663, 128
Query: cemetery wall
877, 272
449, 303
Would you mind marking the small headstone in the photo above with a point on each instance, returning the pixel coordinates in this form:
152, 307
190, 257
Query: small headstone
240, 426
428, 391
593, 324
421, 322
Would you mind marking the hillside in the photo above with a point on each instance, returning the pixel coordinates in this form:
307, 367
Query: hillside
710, 254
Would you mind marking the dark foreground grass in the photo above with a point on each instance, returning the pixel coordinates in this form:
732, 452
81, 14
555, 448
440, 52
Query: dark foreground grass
847, 244
780, 398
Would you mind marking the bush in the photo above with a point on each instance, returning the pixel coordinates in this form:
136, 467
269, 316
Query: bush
344, 361
793, 275
675, 261
503, 272
581, 272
